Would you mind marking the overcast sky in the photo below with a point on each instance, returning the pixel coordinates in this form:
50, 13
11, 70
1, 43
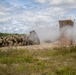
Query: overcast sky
19, 16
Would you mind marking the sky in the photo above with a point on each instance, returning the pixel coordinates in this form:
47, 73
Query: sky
21, 16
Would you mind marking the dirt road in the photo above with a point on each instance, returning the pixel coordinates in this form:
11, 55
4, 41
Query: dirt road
33, 47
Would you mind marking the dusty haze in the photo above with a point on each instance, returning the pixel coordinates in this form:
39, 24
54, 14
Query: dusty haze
52, 34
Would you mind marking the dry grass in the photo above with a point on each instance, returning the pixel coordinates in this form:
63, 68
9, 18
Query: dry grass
56, 61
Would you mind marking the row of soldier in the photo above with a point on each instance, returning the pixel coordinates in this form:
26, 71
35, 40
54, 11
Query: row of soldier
20, 40
12, 40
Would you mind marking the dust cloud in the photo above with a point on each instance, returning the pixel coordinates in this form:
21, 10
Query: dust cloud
47, 34
52, 33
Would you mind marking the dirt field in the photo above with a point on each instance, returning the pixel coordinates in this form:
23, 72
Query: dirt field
34, 47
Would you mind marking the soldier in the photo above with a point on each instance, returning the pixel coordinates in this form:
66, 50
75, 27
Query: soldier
1, 43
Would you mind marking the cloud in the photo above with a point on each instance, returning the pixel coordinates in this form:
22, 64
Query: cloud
16, 17
41, 1
56, 2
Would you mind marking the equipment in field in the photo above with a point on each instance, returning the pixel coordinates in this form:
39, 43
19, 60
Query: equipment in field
32, 38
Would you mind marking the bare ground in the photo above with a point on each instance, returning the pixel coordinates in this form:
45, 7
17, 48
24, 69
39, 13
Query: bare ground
34, 47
